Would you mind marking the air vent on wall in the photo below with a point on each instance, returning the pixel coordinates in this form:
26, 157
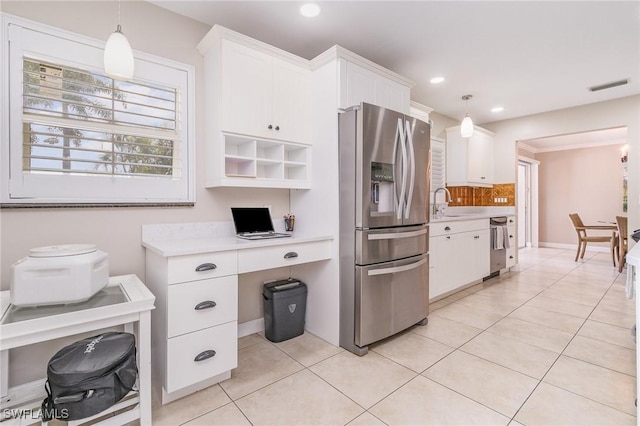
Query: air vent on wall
609, 85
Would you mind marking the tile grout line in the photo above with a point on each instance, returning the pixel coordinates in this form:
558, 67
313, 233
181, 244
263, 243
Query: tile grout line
562, 354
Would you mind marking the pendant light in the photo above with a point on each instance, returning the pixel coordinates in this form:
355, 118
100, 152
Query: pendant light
466, 128
118, 57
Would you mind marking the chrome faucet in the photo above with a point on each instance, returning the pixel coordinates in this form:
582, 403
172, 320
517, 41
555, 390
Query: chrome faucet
447, 199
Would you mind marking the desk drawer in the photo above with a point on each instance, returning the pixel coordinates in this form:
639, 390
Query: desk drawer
202, 266
257, 259
182, 368
190, 306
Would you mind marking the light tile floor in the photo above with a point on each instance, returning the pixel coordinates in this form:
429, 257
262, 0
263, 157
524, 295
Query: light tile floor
548, 345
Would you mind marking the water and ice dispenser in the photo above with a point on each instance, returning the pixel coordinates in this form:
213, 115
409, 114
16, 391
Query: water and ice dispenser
382, 188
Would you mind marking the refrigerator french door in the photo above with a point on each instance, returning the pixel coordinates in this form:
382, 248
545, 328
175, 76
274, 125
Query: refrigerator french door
392, 152
384, 162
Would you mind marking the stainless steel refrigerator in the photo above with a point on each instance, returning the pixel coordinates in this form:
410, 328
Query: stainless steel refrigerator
384, 233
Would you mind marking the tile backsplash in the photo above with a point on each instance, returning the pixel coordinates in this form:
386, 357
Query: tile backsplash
501, 194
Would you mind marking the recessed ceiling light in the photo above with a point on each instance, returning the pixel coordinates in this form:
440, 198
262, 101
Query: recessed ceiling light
497, 109
437, 80
310, 10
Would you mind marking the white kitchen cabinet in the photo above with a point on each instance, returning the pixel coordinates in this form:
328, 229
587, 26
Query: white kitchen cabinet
512, 251
257, 113
195, 323
470, 161
459, 252
359, 84
264, 96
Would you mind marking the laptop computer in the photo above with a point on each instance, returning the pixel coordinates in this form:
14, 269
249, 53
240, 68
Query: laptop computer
254, 223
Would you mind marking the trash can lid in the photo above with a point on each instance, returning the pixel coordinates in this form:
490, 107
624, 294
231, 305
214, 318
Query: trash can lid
288, 286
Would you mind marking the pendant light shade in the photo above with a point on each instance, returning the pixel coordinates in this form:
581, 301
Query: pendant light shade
118, 57
466, 127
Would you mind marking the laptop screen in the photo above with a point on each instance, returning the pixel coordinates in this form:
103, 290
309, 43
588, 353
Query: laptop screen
251, 219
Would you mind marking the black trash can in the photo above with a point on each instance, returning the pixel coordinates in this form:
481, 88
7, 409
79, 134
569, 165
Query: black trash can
284, 309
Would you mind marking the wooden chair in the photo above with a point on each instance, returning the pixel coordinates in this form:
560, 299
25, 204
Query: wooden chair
583, 238
622, 240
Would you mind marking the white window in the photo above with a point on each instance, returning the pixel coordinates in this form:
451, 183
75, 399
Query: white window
73, 135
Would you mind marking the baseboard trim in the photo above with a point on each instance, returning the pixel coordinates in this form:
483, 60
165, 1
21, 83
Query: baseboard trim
250, 327
574, 247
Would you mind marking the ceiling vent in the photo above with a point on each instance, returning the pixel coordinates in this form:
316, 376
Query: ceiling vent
609, 85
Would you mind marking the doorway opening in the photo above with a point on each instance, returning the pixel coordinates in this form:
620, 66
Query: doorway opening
527, 202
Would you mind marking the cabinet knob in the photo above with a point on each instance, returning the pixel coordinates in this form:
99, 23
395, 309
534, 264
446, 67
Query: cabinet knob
510, 236
277, 127
291, 255
446, 228
482, 177
206, 267
207, 304
205, 355
448, 237
476, 236
510, 257
269, 127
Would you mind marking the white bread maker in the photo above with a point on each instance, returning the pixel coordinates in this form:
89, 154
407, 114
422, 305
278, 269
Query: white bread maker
59, 274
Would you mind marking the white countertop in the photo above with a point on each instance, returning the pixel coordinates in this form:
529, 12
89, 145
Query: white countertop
633, 256
193, 238
454, 218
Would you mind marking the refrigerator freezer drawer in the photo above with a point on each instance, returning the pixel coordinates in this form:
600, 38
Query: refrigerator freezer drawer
383, 245
390, 297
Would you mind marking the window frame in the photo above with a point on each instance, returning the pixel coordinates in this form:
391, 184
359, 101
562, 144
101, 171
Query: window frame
19, 38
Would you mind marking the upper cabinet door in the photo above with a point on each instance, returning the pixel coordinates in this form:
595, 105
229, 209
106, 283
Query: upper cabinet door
481, 158
291, 103
246, 90
470, 160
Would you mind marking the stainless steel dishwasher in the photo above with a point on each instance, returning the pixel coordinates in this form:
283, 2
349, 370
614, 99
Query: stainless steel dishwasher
499, 244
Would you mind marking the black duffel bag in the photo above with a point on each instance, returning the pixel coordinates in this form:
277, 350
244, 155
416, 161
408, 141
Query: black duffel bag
90, 376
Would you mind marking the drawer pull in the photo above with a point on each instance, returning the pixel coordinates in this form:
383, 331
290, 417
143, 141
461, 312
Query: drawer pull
207, 304
446, 228
206, 267
448, 237
476, 236
291, 255
205, 355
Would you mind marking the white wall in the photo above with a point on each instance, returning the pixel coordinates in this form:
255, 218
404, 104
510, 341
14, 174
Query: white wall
117, 231
602, 115
587, 181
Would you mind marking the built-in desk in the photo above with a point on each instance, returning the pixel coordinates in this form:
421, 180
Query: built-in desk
193, 271
125, 301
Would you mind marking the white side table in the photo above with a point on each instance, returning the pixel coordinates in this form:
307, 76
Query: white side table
125, 301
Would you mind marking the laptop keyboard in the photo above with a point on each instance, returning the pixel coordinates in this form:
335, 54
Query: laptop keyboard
262, 235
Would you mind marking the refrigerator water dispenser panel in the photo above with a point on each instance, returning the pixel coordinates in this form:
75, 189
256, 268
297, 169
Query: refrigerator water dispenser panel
382, 187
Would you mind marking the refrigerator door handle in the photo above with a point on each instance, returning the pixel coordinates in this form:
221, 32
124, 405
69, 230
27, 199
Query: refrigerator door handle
411, 170
400, 140
397, 269
396, 235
